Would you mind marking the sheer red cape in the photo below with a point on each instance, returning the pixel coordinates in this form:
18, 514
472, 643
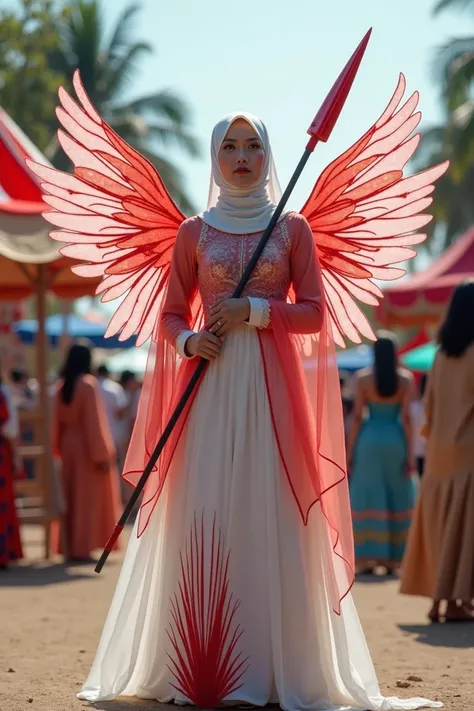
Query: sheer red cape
306, 409
115, 215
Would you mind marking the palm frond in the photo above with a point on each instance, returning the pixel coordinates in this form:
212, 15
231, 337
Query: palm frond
119, 71
163, 103
453, 207
453, 68
432, 149
453, 4
120, 39
459, 80
106, 67
462, 141
452, 210
173, 135
448, 53
81, 43
131, 127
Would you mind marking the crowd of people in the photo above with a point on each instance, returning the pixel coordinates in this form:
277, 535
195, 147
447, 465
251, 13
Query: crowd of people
411, 512
92, 418
388, 422
410, 452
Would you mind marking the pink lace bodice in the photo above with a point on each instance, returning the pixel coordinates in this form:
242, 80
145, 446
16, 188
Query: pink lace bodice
222, 258
212, 262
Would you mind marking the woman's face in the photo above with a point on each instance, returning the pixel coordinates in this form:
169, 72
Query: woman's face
241, 155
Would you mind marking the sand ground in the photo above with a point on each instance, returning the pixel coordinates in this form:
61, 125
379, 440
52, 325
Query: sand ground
51, 617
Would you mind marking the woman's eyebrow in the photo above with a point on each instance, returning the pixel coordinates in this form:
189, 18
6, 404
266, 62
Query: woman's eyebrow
234, 140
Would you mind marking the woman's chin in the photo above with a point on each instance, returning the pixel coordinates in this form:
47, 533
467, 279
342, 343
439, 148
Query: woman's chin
243, 180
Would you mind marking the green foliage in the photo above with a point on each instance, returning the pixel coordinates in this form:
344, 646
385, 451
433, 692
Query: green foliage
43, 44
453, 4
28, 85
108, 65
453, 70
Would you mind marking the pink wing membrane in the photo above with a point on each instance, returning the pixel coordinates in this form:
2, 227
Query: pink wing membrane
365, 215
114, 214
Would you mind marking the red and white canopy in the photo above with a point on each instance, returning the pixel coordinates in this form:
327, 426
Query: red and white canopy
422, 299
24, 233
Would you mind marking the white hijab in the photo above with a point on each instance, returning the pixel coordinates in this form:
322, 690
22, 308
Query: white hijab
241, 210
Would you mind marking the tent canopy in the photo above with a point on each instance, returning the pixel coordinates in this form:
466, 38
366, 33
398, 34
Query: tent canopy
353, 359
350, 360
422, 298
19, 279
30, 264
24, 240
21, 189
360, 357
75, 327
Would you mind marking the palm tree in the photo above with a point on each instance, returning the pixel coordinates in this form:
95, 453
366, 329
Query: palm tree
454, 139
108, 66
453, 206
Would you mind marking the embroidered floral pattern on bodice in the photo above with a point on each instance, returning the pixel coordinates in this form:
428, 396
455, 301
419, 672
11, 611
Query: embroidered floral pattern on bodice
222, 259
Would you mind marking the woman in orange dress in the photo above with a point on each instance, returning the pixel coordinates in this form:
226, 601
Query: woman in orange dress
439, 560
83, 443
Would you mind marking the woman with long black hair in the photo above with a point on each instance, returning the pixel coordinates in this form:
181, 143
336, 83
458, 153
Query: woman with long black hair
381, 460
83, 443
439, 562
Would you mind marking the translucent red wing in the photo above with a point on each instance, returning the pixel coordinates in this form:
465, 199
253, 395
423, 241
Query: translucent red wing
364, 215
114, 214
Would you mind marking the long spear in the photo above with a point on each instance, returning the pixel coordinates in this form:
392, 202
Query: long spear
320, 130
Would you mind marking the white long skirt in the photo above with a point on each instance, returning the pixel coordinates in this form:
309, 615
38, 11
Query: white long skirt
226, 476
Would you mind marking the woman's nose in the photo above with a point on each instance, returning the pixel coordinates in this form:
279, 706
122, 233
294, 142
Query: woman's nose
241, 157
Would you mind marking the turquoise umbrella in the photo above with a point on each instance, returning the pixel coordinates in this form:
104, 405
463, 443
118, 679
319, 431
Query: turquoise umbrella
420, 359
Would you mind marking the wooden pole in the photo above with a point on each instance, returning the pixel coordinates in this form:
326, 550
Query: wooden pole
65, 339
42, 375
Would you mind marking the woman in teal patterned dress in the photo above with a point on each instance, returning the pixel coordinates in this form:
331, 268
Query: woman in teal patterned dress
380, 459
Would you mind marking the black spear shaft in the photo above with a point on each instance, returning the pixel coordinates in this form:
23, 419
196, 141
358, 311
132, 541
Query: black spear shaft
203, 363
320, 130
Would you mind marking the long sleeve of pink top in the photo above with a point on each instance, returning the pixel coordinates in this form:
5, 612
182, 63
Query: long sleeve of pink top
177, 314
305, 314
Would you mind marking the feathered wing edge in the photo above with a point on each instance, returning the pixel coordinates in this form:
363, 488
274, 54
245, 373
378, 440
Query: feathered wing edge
364, 215
114, 213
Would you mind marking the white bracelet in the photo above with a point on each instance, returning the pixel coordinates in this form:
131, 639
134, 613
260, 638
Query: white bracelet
259, 312
181, 343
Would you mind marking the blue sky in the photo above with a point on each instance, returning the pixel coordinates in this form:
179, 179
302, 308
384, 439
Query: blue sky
278, 60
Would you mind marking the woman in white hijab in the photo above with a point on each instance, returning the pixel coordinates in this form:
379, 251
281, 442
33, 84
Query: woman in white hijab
232, 591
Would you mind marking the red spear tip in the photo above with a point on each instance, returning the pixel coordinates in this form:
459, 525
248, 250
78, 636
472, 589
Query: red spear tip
324, 121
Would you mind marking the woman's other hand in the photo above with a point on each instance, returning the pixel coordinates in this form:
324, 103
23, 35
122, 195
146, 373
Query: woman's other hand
228, 314
204, 344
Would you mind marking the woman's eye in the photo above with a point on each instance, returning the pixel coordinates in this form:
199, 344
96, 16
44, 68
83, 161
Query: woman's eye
228, 147
256, 146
